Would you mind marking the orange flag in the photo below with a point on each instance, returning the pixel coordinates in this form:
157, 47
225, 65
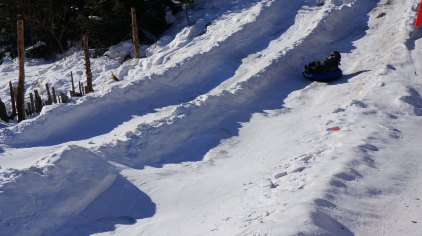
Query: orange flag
419, 17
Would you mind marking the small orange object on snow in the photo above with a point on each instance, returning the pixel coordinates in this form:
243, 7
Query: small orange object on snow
334, 129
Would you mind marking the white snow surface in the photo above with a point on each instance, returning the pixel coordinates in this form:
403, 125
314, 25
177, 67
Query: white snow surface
216, 132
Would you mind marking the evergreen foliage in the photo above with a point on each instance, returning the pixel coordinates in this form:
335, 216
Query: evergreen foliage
52, 26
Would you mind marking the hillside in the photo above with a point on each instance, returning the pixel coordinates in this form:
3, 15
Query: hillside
216, 132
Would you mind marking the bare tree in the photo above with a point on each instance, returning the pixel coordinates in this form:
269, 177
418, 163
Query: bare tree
87, 65
135, 32
20, 98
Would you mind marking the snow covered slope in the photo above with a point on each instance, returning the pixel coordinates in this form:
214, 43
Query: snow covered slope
215, 132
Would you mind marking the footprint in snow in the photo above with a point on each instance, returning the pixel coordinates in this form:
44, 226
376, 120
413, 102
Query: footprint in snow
338, 110
306, 157
279, 175
299, 169
357, 103
368, 147
392, 116
414, 99
324, 203
337, 183
349, 176
371, 112
391, 67
354, 103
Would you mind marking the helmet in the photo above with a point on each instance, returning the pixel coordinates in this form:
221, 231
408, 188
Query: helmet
335, 55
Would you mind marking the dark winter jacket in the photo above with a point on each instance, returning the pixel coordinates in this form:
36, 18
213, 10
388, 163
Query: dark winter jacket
326, 65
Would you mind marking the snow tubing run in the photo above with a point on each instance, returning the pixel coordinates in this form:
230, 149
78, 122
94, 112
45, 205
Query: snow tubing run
324, 77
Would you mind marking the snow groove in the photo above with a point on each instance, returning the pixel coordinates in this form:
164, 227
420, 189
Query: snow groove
264, 87
194, 74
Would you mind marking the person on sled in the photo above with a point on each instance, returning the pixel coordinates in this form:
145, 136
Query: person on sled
328, 65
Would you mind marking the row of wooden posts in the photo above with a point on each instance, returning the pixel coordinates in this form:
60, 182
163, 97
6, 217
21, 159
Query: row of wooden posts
34, 106
36, 103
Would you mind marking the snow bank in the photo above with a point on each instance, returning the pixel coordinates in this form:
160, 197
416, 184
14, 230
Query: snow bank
43, 197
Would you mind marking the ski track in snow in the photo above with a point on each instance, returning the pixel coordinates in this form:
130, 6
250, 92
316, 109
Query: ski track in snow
176, 121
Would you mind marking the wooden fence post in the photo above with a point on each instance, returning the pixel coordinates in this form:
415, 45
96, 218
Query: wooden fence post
3, 112
12, 100
135, 34
49, 99
73, 85
20, 98
31, 98
80, 88
38, 102
29, 111
87, 64
54, 95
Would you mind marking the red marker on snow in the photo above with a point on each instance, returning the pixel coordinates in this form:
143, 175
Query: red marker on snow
334, 129
419, 16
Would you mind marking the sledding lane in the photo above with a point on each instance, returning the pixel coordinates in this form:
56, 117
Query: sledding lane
189, 68
259, 84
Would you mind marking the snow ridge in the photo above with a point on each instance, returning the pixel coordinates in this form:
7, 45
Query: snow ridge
215, 132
